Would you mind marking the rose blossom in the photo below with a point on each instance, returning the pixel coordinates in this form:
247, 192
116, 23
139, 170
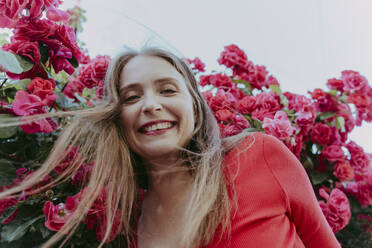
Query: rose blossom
247, 104
324, 101
336, 84
336, 209
43, 88
305, 121
57, 216
354, 82
321, 134
361, 102
237, 125
223, 100
360, 161
69, 158
334, 153
343, 171
93, 72
198, 64
279, 127
224, 115
10, 11
232, 56
74, 87
28, 104
27, 49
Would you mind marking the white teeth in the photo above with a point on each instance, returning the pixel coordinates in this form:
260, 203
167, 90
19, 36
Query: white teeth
162, 125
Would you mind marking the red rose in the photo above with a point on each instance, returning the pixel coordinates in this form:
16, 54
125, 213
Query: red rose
99, 91
57, 216
336, 84
336, 209
305, 121
364, 191
271, 80
24, 48
74, 87
71, 156
33, 29
57, 15
198, 64
247, 104
324, 101
343, 171
299, 103
321, 134
66, 35
232, 56
237, 125
354, 82
43, 88
334, 153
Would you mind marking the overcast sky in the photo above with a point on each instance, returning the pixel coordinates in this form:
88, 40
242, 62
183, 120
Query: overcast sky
303, 43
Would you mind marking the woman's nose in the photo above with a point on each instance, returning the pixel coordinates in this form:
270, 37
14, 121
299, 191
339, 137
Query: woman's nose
151, 104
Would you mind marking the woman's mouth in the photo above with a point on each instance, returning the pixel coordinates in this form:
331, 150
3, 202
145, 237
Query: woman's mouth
157, 128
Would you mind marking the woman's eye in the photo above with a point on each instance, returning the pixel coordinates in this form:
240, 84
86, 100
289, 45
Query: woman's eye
168, 91
131, 98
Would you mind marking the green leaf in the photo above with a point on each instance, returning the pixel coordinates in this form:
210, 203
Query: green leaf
7, 213
340, 123
16, 230
63, 101
43, 50
245, 83
73, 62
7, 172
326, 115
6, 132
14, 63
333, 93
318, 178
275, 88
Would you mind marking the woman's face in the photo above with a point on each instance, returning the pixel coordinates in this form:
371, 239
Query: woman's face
157, 108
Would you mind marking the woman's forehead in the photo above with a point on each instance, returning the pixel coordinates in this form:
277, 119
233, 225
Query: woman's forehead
148, 68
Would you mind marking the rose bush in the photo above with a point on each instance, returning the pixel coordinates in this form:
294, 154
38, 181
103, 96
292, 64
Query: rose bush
54, 74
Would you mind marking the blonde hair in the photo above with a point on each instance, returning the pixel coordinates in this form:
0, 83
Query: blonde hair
99, 135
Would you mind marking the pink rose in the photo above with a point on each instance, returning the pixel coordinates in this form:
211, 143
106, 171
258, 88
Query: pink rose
336, 84
271, 80
336, 209
224, 115
217, 80
232, 56
305, 121
197, 64
94, 72
361, 102
223, 100
321, 134
334, 153
10, 11
43, 88
66, 35
29, 104
31, 29
279, 127
300, 103
354, 82
74, 87
57, 216
343, 171
57, 15
99, 91
360, 161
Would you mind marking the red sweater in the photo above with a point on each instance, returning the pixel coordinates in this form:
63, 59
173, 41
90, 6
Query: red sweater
277, 207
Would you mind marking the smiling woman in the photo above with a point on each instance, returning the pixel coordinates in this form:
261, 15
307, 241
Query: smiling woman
169, 178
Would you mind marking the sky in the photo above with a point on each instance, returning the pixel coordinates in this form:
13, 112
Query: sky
302, 43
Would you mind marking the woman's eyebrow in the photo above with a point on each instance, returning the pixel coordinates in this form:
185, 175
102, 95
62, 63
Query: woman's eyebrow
137, 84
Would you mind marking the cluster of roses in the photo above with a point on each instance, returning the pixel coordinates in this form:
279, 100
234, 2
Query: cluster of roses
248, 97
57, 215
90, 75
51, 47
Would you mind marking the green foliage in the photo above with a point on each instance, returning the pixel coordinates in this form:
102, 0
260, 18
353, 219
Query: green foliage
14, 62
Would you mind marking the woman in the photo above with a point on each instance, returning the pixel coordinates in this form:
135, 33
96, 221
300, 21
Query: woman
154, 131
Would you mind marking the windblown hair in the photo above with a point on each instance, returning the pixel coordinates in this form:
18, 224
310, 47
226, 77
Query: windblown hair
99, 135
